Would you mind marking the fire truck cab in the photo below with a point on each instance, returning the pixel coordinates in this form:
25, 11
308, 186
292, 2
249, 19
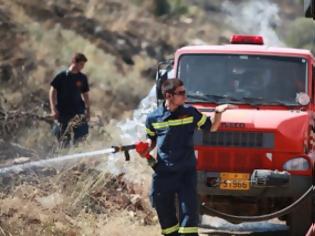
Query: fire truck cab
262, 157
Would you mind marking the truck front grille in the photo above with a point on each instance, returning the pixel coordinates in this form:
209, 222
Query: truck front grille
235, 139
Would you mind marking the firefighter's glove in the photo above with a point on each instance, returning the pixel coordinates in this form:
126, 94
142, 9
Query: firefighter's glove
143, 148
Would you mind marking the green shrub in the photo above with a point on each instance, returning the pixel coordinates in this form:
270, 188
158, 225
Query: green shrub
178, 7
301, 33
166, 7
162, 7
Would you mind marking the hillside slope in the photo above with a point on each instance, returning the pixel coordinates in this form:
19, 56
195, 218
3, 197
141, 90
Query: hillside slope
123, 41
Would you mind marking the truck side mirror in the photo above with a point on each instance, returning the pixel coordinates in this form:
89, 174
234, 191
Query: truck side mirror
309, 8
162, 74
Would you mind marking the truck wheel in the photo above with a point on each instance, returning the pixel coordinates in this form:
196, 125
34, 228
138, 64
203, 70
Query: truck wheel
199, 210
300, 220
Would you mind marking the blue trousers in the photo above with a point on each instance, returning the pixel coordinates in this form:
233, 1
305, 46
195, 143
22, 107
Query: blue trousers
166, 187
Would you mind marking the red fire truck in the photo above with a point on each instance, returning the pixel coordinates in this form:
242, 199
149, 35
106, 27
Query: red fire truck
259, 164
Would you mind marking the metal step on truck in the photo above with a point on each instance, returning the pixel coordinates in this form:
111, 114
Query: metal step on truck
260, 163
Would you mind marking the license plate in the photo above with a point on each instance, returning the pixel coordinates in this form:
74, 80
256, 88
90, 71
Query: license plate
234, 181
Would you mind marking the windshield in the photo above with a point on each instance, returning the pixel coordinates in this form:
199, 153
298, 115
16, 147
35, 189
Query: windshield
247, 79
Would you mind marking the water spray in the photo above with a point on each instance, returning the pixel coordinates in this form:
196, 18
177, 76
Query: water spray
139, 147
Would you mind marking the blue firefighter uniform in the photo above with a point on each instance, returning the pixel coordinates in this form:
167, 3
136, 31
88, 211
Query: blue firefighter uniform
175, 171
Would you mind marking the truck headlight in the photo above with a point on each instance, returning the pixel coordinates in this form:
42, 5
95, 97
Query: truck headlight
196, 154
298, 163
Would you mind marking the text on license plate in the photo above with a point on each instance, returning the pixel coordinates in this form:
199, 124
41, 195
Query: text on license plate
234, 181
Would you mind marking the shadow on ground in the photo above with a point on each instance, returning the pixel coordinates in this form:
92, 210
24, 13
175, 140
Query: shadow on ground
211, 231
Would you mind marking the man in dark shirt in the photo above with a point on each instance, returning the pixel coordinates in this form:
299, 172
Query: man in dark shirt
69, 101
170, 128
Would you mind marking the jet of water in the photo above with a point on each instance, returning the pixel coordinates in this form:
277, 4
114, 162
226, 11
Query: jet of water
45, 162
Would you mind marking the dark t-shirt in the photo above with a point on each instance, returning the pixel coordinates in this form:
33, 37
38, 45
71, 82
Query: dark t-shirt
69, 88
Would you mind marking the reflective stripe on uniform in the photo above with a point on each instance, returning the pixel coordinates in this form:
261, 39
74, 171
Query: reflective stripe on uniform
202, 121
150, 132
176, 122
170, 229
188, 230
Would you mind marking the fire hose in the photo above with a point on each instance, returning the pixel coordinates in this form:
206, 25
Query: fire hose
284, 211
141, 148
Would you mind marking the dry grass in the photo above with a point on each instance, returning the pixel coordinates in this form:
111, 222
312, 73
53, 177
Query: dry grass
119, 226
80, 200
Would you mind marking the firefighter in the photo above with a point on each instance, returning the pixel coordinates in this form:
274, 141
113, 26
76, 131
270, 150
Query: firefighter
69, 102
171, 127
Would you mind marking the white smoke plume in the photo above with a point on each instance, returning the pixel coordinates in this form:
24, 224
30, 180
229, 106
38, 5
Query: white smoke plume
134, 129
255, 17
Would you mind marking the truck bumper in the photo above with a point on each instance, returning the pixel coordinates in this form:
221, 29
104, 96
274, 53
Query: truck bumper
277, 186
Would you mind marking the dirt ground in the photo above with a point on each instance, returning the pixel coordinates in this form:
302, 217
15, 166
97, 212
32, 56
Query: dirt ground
81, 200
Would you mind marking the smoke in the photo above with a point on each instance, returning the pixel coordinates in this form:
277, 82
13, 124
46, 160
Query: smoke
134, 129
131, 131
255, 17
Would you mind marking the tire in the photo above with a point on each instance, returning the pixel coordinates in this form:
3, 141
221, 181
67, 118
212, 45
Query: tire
300, 220
199, 210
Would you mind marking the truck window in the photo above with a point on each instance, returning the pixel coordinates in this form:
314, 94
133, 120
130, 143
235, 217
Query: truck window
244, 78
